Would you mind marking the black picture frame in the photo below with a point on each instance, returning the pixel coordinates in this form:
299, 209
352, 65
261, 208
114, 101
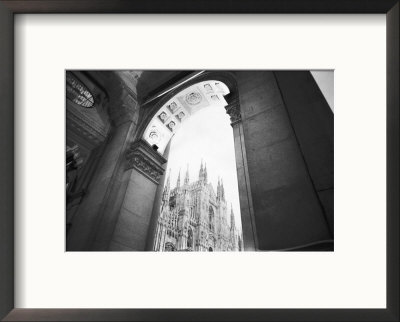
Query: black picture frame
8, 8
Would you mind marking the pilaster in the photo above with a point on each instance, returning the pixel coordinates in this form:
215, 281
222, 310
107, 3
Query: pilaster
246, 202
143, 171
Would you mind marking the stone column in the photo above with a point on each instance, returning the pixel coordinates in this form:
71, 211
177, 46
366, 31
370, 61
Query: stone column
144, 169
287, 210
245, 196
100, 197
94, 221
157, 205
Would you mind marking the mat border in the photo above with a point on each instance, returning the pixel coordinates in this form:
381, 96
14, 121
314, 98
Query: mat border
8, 8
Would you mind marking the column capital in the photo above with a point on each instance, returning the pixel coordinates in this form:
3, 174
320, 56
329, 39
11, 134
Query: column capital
142, 157
233, 109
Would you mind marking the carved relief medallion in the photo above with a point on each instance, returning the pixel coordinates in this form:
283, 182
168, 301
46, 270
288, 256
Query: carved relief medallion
193, 98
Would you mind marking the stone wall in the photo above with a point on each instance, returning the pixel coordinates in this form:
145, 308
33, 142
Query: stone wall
287, 209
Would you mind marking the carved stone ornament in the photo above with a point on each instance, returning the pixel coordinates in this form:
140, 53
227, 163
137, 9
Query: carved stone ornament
193, 98
154, 136
181, 115
142, 157
172, 107
208, 87
171, 125
163, 116
233, 109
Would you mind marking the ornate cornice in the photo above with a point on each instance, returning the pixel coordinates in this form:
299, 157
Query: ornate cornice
142, 157
233, 109
86, 127
88, 122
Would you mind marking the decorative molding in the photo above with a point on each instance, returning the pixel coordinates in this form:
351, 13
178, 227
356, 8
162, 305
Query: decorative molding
171, 125
233, 109
142, 157
87, 122
172, 107
227, 78
91, 133
154, 135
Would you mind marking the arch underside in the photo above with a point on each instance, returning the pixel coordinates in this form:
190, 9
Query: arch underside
169, 118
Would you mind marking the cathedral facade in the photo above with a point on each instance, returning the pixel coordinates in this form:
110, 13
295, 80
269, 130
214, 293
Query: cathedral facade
195, 218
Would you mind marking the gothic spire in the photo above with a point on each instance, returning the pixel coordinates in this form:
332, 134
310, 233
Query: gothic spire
205, 172
218, 189
232, 218
178, 183
201, 171
167, 188
222, 190
186, 182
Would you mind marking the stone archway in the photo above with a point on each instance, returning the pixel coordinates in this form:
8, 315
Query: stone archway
160, 112
283, 133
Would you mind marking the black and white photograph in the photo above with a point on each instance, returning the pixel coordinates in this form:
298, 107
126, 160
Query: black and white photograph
248, 149
199, 160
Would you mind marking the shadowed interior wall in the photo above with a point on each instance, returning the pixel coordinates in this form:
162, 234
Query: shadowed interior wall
312, 121
93, 220
287, 210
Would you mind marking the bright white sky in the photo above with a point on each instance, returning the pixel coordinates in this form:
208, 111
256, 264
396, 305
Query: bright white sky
324, 79
207, 135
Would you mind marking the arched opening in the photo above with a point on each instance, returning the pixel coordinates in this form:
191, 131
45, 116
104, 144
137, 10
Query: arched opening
210, 249
196, 117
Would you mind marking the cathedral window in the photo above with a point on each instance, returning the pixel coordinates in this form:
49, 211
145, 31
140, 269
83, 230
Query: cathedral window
211, 218
78, 93
190, 238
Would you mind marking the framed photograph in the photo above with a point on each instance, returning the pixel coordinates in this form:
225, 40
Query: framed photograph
223, 161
